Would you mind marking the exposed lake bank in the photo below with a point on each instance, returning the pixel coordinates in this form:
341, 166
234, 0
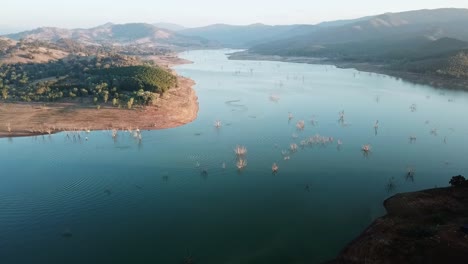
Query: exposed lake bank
426, 79
176, 107
420, 227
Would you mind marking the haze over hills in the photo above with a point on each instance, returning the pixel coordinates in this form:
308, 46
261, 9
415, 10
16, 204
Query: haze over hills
244, 36
431, 24
162, 33
416, 41
433, 43
123, 34
234, 36
169, 26
6, 29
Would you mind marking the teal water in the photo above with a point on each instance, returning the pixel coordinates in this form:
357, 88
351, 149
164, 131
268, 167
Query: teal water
106, 201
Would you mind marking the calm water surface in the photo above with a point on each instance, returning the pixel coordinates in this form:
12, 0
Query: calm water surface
106, 201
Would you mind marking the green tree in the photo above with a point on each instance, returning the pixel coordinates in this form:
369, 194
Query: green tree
106, 96
130, 103
84, 92
24, 79
5, 92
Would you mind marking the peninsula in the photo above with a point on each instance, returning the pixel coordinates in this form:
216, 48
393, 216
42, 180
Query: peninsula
58, 84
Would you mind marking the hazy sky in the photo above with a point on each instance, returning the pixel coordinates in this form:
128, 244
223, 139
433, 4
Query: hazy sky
87, 13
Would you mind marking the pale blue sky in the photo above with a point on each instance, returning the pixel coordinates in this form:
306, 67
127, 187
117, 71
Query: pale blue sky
88, 13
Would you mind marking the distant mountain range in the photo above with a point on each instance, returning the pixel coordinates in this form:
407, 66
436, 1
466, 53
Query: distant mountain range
393, 28
246, 36
433, 44
416, 40
281, 39
121, 34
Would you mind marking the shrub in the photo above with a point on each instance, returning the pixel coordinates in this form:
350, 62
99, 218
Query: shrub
457, 180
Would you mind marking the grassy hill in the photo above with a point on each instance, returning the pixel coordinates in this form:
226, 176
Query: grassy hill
12, 52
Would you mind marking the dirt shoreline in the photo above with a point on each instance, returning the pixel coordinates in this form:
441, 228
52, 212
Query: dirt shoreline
176, 107
432, 80
420, 227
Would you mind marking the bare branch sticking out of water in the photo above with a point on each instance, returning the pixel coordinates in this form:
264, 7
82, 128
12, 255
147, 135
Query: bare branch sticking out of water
274, 168
274, 98
410, 174
240, 150
241, 164
300, 125
390, 186
293, 147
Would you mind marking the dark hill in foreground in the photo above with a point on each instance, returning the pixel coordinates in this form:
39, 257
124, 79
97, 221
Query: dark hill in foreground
429, 226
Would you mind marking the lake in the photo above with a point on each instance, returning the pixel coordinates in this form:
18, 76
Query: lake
177, 196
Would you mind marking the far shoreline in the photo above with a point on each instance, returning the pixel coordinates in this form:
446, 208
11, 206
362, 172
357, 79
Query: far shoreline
438, 82
177, 107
